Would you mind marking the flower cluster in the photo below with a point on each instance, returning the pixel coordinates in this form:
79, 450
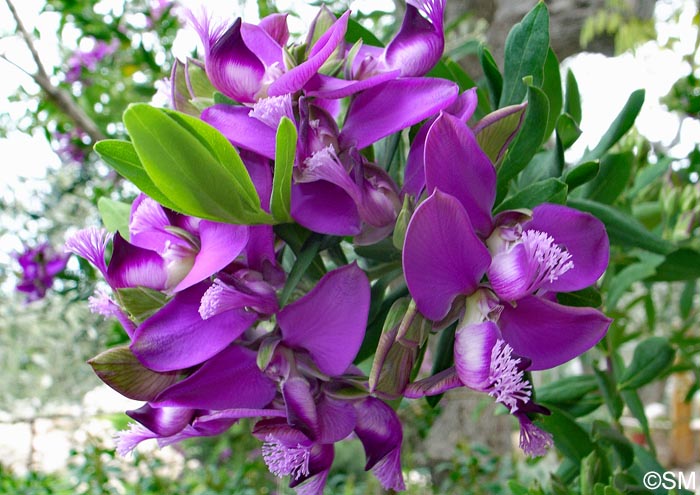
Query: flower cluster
85, 61
40, 265
212, 335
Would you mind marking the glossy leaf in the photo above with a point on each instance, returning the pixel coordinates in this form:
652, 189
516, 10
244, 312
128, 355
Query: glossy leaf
194, 165
682, 264
285, 150
566, 390
622, 281
122, 157
526, 50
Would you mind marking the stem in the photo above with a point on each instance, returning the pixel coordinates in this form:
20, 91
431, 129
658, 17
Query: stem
59, 96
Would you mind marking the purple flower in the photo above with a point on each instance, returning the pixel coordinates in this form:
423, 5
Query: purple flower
39, 267
87, 60
69, 146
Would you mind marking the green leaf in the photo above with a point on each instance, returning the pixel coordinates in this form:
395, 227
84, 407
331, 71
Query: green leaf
650, 359
566, 390
636, 407
612, 179
680, 265
443, 358
604, 433
568, 130
547, 191
572, 103
581, 174
115, 215
306, 256
194, 165
357, 31
588, 297
569, 437
622, 123
687, 297
141, 302
649, 175
552, 88
527, 141
494, 79
285, 151
122, 157
607, 388
456, 74
623, 229
645, 268
525, 53
121, 370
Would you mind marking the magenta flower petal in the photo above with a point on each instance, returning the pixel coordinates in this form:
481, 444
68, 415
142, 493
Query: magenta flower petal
241, 129
455, 164
418, 45
472, 353
414, 176
329, 322
330, 87
442, 256
176, 337
262, 44
380, 432
583, 236
295, 79
132, 266
324, 207
275, 25
337, 419
232, 67
148, 225
548, 333
165, 421
393, 106
221, 243
231, 379
301, 406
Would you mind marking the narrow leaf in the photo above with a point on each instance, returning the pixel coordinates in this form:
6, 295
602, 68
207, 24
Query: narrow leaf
285, 150
572, 103
552, 88
623, 229
569, 437
547, 191
528, 140
526, 50
581, 174
494, 79
622, 123
612, 179
650, 359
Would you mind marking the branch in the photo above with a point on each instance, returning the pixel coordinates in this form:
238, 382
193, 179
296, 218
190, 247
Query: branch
59, 96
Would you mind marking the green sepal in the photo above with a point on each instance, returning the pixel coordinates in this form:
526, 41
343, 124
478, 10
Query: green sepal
115, 216
285, 151
121, 370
